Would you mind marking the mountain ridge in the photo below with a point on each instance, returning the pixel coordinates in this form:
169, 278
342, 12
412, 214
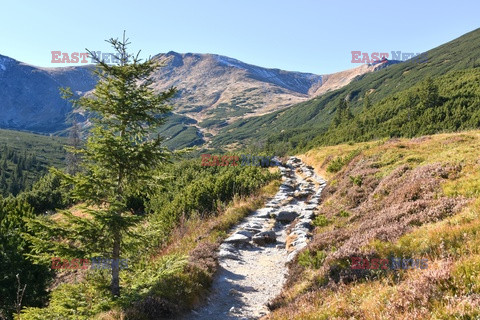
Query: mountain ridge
213, 90
296, 126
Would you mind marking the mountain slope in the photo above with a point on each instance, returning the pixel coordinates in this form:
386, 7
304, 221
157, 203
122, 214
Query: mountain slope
29, 96
387, 201
217, 86
299, 124
25, 157
444, 104
214, 91
219, 89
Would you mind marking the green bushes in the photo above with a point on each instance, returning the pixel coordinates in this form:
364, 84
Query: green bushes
47, 195
169, 283
193, 190
321, 221
312, 259
356, 180
443, 104
79, 301
344, 214
16, 271
337, 164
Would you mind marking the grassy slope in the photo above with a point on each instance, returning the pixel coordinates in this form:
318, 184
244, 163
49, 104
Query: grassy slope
415, 198
48, 150
180, 132
300, 123
404, 114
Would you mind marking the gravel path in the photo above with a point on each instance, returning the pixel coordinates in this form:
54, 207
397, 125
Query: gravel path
253, 259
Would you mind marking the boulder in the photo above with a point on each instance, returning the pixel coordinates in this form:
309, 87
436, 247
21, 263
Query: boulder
265, 237
292, 255
305, 225
237, 238
253, 230
263, 213
299, 233
245, 233
301, 194
227, 251
286, 216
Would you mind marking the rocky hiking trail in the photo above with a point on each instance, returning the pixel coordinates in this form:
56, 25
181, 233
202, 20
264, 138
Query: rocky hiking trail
252, 260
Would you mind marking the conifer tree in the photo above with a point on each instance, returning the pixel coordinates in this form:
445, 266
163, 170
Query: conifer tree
118, 157
343, 112
340, 110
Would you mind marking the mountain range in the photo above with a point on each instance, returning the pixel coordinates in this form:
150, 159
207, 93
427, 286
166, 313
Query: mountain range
213, 91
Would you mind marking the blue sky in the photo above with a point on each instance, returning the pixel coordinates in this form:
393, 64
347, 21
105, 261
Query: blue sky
301, 35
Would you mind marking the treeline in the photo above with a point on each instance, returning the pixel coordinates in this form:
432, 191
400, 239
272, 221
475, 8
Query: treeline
18, 170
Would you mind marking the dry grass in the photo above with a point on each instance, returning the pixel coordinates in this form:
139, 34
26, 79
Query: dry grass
404, 198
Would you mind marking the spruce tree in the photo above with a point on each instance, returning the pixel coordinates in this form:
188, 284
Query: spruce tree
117, 158
343, 112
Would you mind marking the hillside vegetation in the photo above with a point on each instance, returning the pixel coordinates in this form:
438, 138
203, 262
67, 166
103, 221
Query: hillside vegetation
404, 198
291, 130
447, 104
25, 158
171, 265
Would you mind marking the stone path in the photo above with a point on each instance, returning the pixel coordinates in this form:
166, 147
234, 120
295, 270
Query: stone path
253, 259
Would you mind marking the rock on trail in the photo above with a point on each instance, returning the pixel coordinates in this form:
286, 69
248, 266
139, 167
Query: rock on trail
252, 260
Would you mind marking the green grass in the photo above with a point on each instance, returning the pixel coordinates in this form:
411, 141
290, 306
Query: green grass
445, 290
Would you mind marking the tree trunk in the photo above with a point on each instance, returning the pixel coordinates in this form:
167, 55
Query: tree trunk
115, 286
